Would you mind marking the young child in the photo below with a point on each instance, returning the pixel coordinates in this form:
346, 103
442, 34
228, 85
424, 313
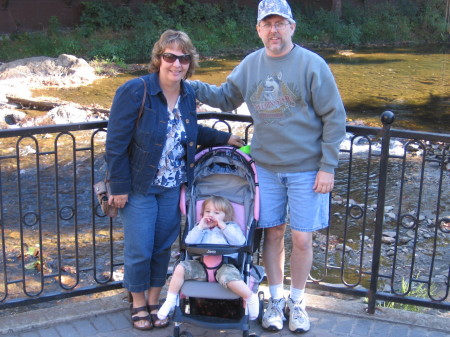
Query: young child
215, 227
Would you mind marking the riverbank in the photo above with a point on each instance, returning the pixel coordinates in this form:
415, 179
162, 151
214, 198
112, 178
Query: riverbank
19, 78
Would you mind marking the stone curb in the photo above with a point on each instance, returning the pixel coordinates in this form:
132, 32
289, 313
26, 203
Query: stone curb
357, 308
321, 301
68, 312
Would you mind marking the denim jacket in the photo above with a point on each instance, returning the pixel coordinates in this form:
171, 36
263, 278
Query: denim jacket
133, 151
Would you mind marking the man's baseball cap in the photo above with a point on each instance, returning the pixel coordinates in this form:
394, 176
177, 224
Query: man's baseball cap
274, 7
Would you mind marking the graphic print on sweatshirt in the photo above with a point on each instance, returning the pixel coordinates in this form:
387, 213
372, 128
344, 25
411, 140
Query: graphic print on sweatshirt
273, 99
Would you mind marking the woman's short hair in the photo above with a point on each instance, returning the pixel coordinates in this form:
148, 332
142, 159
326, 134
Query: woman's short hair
222, 204
178, 39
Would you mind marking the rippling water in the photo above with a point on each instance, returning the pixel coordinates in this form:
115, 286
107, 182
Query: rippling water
414, 83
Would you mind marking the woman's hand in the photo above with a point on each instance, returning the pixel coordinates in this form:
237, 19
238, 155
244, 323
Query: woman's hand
118, 201
235, 141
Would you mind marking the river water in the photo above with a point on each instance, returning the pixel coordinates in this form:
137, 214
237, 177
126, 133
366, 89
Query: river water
414, 83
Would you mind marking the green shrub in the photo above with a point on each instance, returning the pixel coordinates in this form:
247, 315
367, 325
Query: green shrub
100, 14
327, 27
151, 18
385, 22
429, 20
53, 27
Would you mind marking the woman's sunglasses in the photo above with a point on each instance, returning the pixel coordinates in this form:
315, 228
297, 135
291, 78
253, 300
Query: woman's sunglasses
171, 58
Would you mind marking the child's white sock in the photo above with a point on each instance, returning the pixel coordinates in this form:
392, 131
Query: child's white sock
276, 291
167, 306
297, 294
253, 306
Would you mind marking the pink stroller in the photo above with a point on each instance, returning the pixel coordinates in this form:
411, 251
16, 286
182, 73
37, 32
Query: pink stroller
230, 173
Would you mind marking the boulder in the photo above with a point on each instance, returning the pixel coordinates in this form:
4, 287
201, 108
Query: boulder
39, 71
9, 117
69, 114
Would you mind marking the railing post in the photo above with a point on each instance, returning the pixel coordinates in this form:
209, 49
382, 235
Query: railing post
387, 118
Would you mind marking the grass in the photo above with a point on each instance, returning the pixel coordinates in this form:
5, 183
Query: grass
419, 291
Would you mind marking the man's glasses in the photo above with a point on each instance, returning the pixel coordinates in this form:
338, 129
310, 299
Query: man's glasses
280, 26
171, 58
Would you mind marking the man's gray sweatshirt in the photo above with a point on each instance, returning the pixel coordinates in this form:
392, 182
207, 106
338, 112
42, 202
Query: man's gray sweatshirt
299, 118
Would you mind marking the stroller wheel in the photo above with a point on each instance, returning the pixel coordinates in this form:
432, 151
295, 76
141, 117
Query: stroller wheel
261, 311
186, 334
176, 331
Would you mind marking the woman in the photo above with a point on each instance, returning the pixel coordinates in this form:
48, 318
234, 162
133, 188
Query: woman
149, 158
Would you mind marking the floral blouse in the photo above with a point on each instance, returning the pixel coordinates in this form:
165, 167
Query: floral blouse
172, 165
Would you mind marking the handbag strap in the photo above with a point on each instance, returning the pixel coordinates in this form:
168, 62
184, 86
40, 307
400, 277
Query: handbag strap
141, 110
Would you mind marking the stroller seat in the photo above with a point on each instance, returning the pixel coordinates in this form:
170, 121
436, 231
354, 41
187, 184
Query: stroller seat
230, 173
210, 288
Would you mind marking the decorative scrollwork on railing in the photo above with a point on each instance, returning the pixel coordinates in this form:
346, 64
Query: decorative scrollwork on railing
66, 213
355, 211
99, 212
444, 225
30, 219
408, 224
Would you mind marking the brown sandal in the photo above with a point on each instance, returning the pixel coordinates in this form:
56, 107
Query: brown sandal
157, 323
135, 319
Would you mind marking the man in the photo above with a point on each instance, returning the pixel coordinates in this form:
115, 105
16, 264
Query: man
299, 123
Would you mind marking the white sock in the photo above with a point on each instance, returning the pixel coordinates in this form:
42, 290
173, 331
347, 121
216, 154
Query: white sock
276, 291
167, 306
253, 306
297, 294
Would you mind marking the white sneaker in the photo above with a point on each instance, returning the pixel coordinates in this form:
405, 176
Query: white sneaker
298, 318
273, 317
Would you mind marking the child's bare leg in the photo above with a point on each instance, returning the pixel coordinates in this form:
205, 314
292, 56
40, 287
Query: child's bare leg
172, 293
177, 279
239, 288
242, 290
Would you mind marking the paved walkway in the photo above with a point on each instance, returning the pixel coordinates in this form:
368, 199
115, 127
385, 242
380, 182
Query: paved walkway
109, 317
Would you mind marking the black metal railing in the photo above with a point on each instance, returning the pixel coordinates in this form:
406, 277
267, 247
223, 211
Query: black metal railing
389, 220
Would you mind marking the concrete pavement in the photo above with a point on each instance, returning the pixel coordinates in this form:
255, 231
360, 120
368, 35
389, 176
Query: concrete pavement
330, 316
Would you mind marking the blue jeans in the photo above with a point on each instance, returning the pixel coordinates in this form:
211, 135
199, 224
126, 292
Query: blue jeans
308, 210
151, 223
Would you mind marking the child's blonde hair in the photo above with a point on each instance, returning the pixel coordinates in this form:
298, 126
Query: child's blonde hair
221, 204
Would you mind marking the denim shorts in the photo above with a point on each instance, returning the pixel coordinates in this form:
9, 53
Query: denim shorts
280, 192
